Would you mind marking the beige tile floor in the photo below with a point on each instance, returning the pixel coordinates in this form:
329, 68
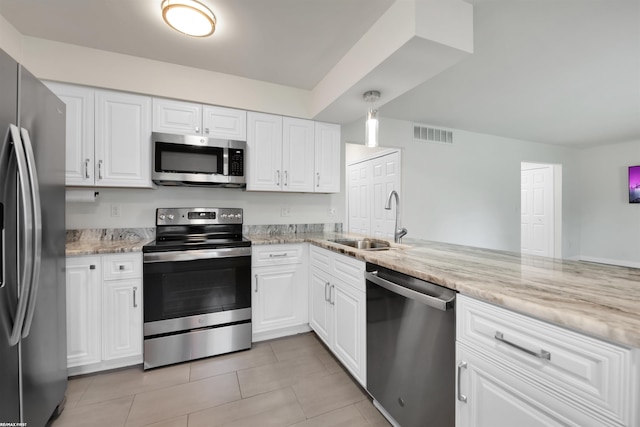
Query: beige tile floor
292, 381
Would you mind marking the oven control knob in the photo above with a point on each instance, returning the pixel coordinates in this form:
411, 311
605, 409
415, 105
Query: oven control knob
170, 217
161, 217
224, 216
238, 216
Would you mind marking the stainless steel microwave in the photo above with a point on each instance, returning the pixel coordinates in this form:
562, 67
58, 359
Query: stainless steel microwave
197, 161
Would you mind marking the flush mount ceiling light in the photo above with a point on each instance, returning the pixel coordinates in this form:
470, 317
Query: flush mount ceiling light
189, 17
371, 125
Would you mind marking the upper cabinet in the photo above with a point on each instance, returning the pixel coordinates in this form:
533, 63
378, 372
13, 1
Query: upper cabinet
327, 158
179, 117
288, 154
108, 137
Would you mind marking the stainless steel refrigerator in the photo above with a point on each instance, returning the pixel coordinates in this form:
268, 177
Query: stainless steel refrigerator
33, 369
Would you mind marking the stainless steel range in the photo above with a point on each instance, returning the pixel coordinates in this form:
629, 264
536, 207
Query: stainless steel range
197, 286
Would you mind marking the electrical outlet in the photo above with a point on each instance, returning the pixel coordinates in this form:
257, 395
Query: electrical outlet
115, 210
285, 211
332, 211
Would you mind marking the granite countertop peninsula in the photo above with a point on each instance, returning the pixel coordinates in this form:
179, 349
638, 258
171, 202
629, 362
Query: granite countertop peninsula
597, 299
94, 241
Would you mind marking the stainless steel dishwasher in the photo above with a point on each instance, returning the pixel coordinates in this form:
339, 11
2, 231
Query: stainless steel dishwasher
410, 348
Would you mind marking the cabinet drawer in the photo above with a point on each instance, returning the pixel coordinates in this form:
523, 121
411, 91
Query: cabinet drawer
586, 372
321, 258
265, 255
121, 266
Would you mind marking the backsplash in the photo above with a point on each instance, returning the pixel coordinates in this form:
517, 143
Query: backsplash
102, 234
276, 229
111, 234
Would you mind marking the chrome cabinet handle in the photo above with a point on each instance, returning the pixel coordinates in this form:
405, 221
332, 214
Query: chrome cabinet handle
135, 304
121, 267
332, 299
86, 168
197, 129
256, 276
92, 267
286, 178
542, 354
326, 286
318, 179
99, 169
461, 397
206, 130
278, 177
277, 255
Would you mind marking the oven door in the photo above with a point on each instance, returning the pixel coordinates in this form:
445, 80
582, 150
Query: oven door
192, 289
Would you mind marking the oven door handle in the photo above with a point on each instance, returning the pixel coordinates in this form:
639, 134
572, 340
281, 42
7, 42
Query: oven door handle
192, 255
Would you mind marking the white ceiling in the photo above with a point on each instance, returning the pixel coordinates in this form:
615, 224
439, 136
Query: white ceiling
555, 71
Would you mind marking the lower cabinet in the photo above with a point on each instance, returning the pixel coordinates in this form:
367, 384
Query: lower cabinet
104, 312
279, 291
337, 307
513, 370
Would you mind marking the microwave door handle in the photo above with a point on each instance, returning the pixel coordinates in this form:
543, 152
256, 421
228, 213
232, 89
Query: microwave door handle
225, 161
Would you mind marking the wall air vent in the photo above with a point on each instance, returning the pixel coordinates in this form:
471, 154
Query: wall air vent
423, 133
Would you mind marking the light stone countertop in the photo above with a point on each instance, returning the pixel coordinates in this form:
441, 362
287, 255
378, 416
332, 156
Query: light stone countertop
596, 299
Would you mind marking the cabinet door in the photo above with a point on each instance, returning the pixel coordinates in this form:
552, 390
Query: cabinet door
224, 123
320, 313
123, 139
490, 396
278, 299
297, 155
179, 117
264, 152
122, 318
327, 158
84, 337
80, 137
349, 326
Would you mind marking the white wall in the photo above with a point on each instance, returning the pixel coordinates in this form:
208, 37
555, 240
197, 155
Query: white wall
10, 40
610, 226
138, 206
469, 192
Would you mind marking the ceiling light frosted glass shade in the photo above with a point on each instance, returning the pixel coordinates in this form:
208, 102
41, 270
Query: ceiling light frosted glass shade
189, 17
371, 129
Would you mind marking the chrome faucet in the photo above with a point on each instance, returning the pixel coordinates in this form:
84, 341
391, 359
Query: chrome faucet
398, 233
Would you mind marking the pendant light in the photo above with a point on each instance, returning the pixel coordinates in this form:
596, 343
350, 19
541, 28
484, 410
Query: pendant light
371, 124
189, 17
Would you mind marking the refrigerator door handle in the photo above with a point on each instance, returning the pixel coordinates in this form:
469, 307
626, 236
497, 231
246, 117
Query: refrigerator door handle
37, 232
24, 189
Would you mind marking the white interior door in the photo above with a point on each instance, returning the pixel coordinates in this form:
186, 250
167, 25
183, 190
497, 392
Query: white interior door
537, 212
369, 183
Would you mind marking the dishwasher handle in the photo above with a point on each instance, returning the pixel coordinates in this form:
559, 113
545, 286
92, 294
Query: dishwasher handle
431, 301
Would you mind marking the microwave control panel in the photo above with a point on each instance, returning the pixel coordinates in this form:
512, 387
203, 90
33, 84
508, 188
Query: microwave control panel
236, 162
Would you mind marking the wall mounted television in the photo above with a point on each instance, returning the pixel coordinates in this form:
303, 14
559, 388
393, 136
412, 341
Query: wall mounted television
634, 184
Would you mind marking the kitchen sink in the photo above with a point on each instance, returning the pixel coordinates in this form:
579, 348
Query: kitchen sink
365, 244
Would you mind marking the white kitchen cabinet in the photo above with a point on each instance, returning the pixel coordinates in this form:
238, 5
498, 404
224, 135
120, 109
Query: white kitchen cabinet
79, 100
289, 154
264, 152
297, 155
279, 291
123, 139
108, 137
180, 117
122, 306
337, 307
327, 158
104, 312
84, 310
535, 373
